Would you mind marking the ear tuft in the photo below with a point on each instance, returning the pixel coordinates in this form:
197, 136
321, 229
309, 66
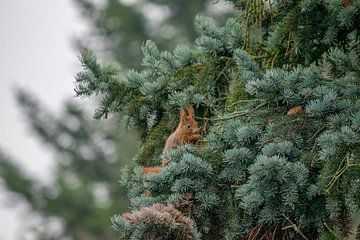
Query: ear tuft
190, 110
183, 115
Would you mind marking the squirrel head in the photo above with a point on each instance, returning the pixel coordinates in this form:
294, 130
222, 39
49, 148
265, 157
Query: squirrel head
187, 124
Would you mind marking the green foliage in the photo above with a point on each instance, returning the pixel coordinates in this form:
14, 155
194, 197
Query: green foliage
149, 153
124, 25
279, 33
16, 181
82, 147
88, 158
280, 154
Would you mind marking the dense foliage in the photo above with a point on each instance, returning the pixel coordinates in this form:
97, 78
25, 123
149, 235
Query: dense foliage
84, 193
276, 92
122, 26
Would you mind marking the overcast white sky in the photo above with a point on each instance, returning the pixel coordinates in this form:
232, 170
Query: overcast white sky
36, 54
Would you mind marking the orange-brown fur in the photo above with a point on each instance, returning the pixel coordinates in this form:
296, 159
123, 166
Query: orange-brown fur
186, 132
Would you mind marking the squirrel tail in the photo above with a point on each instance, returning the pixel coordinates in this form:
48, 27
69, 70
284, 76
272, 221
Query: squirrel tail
151, 170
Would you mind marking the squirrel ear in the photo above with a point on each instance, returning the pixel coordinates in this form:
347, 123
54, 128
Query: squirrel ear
191, 111
182, 115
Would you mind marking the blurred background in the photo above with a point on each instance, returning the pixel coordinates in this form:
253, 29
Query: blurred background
59, 168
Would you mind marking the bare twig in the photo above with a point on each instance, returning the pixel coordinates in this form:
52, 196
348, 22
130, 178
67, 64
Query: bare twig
254, 232
295, 227
235, 114
331, 231
316, 133
343, 166
246, 101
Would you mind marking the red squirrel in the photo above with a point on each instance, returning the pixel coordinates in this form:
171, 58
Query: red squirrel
186, 132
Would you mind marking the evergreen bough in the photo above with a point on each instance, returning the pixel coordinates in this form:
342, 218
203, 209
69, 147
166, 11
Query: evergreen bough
278, 102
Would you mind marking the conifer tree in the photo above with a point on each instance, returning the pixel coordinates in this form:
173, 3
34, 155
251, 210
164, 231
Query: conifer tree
77, 179
124, 25
88, 157
276, 93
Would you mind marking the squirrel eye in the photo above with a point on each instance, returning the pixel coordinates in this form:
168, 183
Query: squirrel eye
188, 126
